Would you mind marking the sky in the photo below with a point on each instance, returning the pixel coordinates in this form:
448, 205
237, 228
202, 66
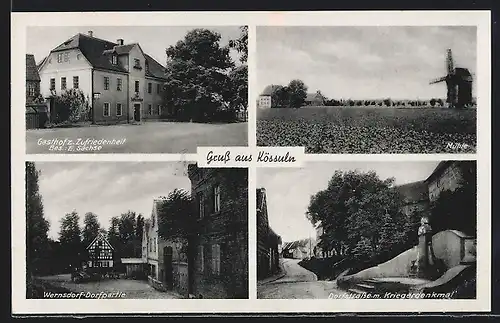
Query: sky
105, 188
288, 190
364, 62
153, 40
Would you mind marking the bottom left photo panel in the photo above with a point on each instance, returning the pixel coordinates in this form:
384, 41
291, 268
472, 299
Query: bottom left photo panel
145, 230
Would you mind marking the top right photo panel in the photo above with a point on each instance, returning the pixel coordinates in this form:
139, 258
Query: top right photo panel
367, 89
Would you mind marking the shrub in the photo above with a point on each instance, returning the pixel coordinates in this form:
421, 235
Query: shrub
71, 106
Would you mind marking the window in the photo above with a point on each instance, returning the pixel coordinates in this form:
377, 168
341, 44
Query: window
63, 83
150, 87
137, 63
76, 82
201, 258
60, 58
216, 259
136, 86
118, 84
201, 205
119, 109
157, 111
106, 83
114, 60
31, 89
52, 84
78, 56
105, 109
217, 198
150, 109
154, 244
66, 57
158, 89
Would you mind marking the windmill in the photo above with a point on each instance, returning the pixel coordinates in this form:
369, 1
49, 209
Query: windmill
458, 84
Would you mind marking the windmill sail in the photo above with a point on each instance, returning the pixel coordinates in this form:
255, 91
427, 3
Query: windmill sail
449, 63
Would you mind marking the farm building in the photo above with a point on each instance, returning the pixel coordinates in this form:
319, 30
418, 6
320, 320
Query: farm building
315, 99
100, 253
132, 265
264, 100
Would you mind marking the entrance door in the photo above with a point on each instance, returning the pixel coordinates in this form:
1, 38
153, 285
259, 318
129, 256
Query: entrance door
167, 261
137, 112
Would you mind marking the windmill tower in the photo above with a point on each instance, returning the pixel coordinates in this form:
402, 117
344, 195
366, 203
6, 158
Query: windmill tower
458, 84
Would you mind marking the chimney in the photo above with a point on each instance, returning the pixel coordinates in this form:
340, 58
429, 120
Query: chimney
91, 34
119, 42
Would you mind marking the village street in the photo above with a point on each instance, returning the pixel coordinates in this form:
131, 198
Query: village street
150, 137
129, 287
298, 283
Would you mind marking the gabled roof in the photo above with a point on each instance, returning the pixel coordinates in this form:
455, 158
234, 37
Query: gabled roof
314, 96
31, 68
261, 192
93, 49
102, 237
154, 69
439, 169
414, 192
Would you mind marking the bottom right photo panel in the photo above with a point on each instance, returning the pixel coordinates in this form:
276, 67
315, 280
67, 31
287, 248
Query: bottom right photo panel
372, 230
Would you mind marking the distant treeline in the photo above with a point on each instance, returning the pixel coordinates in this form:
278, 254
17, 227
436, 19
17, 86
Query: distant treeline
384, 102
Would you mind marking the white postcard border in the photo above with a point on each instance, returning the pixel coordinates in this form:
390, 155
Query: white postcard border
481, 19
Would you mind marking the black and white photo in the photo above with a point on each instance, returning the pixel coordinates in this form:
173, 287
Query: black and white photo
368, 230
95, 89
367, 89
155, 230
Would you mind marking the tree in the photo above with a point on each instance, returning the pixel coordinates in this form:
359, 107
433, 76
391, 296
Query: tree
238, 83
37, 227
197, 76
355, 207
91, 228
71, 106
279, 97
241, 44
176, 220
297, 93
433, 102
114, 235
70, 239
388, 102
127, 234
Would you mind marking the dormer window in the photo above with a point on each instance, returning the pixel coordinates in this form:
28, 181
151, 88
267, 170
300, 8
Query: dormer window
114, 60
137, 63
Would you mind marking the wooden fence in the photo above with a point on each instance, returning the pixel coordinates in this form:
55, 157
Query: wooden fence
37, 115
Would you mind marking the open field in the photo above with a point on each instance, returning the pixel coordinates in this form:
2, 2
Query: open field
150, 137
352, 130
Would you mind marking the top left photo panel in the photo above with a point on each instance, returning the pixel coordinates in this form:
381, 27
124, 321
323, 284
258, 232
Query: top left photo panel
142, 89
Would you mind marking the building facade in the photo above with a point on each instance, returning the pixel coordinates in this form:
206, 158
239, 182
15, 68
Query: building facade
100, 253
220, 244
32, 79
315, 99
166, 260
446, 176
415, 197
120, 81
268, 242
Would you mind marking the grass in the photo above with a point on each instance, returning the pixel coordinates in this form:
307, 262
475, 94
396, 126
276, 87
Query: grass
369, 129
